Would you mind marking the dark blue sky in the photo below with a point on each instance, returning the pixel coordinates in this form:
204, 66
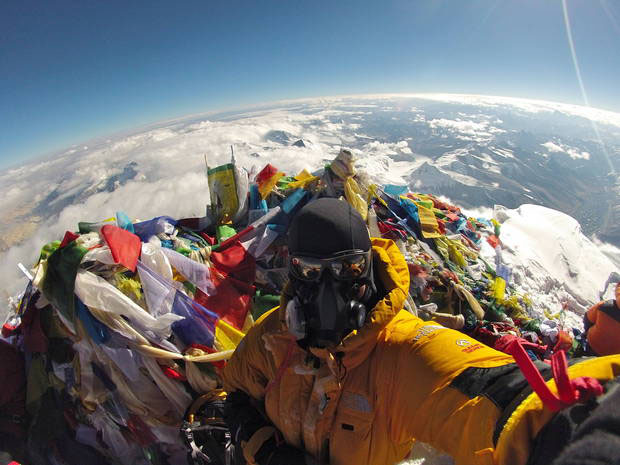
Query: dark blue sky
74, 70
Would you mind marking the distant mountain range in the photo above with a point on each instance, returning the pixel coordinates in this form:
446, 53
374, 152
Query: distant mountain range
477, 151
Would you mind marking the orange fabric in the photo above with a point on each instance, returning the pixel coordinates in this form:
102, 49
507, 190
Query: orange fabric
604, 335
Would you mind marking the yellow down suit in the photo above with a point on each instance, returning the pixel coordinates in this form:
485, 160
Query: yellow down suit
396, 380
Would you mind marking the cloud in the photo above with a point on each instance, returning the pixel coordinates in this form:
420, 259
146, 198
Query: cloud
466, 129
169, 179
570, 151
529, 106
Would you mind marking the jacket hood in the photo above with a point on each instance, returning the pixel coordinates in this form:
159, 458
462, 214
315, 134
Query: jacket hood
393, 272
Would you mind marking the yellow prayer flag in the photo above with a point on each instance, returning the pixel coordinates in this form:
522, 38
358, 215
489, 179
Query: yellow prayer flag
430, 227
499, 288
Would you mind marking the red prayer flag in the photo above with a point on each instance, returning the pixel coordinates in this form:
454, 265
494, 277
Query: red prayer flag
235, 261
232, 300
124, 245
442, 226
493, 240
69, 237
266, 173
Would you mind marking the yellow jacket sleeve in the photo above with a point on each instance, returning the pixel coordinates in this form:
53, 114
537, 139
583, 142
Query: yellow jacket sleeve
422, 400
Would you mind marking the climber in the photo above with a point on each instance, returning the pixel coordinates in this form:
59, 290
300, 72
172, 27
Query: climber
602, 325
339, 373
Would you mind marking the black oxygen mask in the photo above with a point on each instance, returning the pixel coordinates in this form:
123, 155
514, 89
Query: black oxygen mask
330, 269
324, 311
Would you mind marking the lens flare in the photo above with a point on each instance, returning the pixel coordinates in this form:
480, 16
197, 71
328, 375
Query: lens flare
584, 95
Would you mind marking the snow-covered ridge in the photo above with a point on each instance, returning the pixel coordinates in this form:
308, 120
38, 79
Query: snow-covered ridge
551, 259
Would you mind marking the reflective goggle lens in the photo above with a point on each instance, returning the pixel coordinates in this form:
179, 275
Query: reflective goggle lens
350, 266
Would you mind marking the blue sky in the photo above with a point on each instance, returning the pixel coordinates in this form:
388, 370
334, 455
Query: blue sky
74, 70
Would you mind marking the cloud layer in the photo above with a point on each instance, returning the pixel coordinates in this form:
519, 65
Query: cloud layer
161, 171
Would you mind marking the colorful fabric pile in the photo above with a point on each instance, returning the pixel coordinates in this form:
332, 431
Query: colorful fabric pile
125, 323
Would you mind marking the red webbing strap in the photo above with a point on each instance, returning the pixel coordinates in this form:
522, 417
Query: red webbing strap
570, 391
282, 367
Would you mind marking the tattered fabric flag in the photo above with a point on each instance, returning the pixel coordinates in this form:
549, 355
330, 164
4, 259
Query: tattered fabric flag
86, 227
499, 288
504, 271
97, 331
231, 301
267, 179
59, 279
196, 273
157, 291
161, 295
123, 222
430, 228
146, 229
394, 190
402, 217
302, 180
198, 325
493, 240
236, 255
253, 229
103, 298
235, 261
69, 237
259, 245
124, 246
258, 206
410, 207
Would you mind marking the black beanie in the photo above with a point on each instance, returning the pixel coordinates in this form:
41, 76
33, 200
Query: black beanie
327, 226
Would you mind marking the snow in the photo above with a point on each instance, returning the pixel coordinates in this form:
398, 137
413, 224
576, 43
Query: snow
552, 260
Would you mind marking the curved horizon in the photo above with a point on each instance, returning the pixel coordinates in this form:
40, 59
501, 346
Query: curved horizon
597, 115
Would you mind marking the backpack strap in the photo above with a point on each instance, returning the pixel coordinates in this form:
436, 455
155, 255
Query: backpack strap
569, 391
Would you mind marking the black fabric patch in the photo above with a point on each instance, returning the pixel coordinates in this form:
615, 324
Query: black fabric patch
499, 384
609, 308
348, 427
505, 386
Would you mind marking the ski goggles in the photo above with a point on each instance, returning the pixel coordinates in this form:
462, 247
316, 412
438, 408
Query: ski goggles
343, 266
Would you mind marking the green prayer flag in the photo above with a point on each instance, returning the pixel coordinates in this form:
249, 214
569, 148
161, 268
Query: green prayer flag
59, 280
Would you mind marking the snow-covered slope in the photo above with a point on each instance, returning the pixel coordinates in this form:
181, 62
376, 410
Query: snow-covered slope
551, 258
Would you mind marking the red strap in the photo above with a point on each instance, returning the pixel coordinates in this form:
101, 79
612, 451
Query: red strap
570, 391
282, 367
562, 381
